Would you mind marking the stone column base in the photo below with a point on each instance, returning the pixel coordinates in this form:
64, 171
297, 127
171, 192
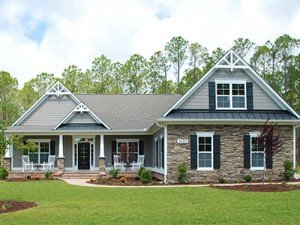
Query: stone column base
102, 170
60, 163
7, 163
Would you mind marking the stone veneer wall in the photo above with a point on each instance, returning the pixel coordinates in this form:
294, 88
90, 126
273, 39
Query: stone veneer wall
232, 152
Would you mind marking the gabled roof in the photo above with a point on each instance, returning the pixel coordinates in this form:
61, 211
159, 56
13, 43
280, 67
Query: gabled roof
57, 89
231, 60
80, 108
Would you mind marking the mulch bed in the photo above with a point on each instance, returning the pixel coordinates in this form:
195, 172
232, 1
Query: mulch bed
260, 187
11, 206
130, 181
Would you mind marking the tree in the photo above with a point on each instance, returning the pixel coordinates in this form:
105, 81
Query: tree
118, 82
189, 80
242, 46
4, 143
135, 72
270, 142
212, 59
9, 104
176, 50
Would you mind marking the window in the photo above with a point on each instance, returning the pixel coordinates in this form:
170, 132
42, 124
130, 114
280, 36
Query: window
256, 154
158, 154
205, 150
128, 149
43, 152
231, 95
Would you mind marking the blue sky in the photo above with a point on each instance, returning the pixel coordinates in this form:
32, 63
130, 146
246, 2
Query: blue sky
47, 36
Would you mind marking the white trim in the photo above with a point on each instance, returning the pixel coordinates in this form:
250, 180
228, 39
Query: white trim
211, 135
294, 146
61, 146
81, 107
231, 82
128, 140
41, 99
101, 146
92, 164
253, 75
165, 153
39, 141
253, 135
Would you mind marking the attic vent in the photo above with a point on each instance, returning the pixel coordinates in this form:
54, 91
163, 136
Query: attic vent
58, 89
232, 61
81, 108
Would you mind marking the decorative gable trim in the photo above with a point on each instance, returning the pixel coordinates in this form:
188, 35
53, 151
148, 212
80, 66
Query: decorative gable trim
81, 108
57, 90
231, 60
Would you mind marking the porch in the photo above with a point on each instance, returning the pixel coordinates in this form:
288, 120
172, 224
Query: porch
88, 154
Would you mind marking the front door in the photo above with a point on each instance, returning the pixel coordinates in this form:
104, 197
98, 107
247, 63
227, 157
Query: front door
84, 156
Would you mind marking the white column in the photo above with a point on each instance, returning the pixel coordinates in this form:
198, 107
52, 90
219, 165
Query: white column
60, 146
101, 146
8, 152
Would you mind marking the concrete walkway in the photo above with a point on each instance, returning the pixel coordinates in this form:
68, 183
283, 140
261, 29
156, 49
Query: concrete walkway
82, 182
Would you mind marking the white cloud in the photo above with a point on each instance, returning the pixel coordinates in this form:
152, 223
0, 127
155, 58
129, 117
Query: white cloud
79, 31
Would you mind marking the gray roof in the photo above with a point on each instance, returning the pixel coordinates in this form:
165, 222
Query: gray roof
81, 127
128, 111
30, 128
235, 115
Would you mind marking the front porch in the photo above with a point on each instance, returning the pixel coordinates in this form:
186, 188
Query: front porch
90, 154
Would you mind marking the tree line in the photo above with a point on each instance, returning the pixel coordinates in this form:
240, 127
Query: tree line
175, 69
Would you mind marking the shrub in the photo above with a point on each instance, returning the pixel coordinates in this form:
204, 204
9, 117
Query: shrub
145, 176
114, 172
137, 177
247, 178
222, 180
48, 174
140, 171
288, 169
3, 173
182, 173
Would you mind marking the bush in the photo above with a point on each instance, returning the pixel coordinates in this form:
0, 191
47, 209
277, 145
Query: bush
222, 180
3, 173
48, 174
140, 171
137, 177
247, 178
288, 169
114, 172
182, 173
145, 176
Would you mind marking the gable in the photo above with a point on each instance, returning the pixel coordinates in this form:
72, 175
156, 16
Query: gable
50, 112
200, 99
81, 118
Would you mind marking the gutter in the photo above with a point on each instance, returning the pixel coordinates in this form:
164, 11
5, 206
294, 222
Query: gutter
165, 150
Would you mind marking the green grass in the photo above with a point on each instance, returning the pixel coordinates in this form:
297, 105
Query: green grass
61, 203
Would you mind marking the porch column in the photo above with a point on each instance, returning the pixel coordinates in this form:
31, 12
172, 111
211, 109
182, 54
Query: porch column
8, 158
61, 158
102, 156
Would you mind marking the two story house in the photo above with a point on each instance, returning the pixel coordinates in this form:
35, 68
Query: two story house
212, 128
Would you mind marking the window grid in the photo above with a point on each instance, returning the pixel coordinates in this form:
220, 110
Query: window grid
257, 154
205, 151
231, 95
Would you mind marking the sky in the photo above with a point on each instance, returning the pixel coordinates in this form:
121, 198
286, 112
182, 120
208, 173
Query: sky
47, 36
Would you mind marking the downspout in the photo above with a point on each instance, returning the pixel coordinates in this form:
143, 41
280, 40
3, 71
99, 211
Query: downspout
294, 143
165, 150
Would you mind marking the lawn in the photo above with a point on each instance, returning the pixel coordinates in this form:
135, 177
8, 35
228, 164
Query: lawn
61, 203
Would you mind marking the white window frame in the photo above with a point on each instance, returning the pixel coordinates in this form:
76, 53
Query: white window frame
253, 135
211, 135
38, 152
158, 159
75, 151
127, 141
231, 82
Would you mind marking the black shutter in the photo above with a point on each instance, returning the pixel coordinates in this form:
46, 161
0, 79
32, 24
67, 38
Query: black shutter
163, 151
193, 151
113, 151
249, 88
269, 160
141, 147
212, 95
247, 151
217, 151
52, 147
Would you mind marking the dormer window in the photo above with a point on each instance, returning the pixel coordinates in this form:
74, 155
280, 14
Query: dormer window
231, 95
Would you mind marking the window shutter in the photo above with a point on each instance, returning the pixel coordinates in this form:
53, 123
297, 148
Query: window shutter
217, 152
52, 147
163, 151
193, 151
141, 147
113, 150
249, 88
269, 160
212, 95
247, 151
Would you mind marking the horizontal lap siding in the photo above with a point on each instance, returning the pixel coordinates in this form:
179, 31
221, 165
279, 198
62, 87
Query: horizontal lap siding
51, 111
199, 99
68, 151
81, 118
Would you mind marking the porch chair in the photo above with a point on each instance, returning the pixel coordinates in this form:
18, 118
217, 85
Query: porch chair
117, 164
26, 164
50, 164
140, 163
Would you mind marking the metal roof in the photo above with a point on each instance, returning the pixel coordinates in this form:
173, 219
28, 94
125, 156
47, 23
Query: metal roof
232, 115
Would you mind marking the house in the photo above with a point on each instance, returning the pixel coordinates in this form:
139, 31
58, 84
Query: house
212, 128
